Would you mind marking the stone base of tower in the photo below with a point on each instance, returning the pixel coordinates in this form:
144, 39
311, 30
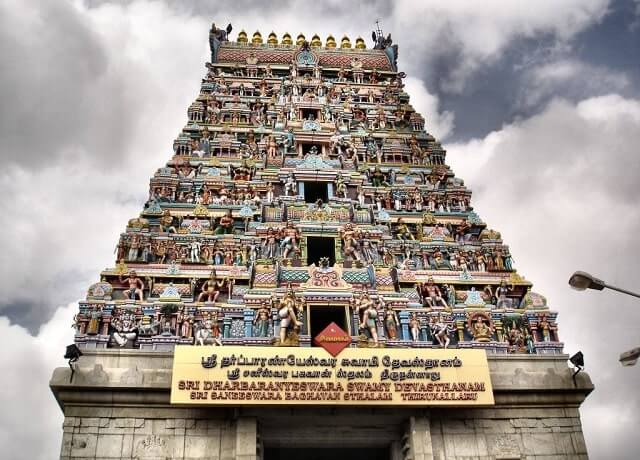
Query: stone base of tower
117, 407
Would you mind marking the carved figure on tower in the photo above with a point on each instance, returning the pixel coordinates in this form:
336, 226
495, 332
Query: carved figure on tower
136, 286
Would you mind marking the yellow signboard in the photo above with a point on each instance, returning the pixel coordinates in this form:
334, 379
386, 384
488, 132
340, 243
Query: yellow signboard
237, 375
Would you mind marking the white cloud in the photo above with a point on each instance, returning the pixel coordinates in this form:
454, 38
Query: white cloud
88, 172
480, 31
570, 77
30, 420
438, 124
562, 188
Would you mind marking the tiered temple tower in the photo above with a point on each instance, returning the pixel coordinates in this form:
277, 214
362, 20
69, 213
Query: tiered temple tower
305, 191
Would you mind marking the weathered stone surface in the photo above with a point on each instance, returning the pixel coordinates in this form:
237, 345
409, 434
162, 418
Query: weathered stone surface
109, 446
537, 421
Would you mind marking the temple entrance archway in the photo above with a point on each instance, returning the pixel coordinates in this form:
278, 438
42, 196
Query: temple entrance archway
326, 453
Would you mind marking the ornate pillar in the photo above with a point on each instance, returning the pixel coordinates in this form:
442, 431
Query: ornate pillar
226, 327
106, 319
499, 331
424, 333
404, 324
337, 242
460, 329
248, 314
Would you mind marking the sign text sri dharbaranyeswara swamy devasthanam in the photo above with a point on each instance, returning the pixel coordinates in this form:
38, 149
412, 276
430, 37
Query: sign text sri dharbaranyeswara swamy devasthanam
237, 375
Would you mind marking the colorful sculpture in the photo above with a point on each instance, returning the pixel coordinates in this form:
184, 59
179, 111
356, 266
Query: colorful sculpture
320, 154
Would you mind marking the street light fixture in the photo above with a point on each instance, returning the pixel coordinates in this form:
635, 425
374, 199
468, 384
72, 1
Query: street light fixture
583, 280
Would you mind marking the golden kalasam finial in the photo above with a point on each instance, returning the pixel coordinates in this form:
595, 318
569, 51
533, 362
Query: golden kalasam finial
360, 44
345, 42
273, 38
257, 38
286, 39
331, 42
300, 40
242, 37
315, 41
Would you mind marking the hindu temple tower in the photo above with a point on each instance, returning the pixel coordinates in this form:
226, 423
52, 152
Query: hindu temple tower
309, 279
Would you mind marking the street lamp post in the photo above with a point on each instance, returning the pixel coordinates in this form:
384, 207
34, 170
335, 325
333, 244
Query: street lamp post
581, 281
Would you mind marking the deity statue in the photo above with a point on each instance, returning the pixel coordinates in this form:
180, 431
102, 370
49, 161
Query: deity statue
288, 314
134, 247
391, 324
377, 177
290, 241
125, 328
272, 147
290, 185
480, 327
341, 186
208, 330
95, 317
270, 244
430, 294
183, 323
461, 231
242, 172
418, 200
194, 251
261, 321
270, 193
166, 222
216, 36
414, 327
528, 340
441, 331
361, 197
136, 286
349, 242
289, 140
545, 329
211, 288
501, 294
356, 68
225, 225
515, 338
368, 323
360, 304
498, 261
402, 231
451, 295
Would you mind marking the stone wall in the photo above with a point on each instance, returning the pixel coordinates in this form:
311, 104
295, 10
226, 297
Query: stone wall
117, 407
540, 433
117, 434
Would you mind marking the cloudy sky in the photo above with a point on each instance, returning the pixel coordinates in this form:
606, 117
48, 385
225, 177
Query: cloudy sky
537, 103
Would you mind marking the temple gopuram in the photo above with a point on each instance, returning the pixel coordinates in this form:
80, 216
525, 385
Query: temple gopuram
309, 279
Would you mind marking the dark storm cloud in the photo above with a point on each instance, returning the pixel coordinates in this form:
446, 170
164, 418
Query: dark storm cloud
27, 313
61, 96
49, 60
600, 60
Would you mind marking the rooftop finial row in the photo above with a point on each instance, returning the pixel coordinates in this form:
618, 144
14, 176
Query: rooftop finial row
315, 42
